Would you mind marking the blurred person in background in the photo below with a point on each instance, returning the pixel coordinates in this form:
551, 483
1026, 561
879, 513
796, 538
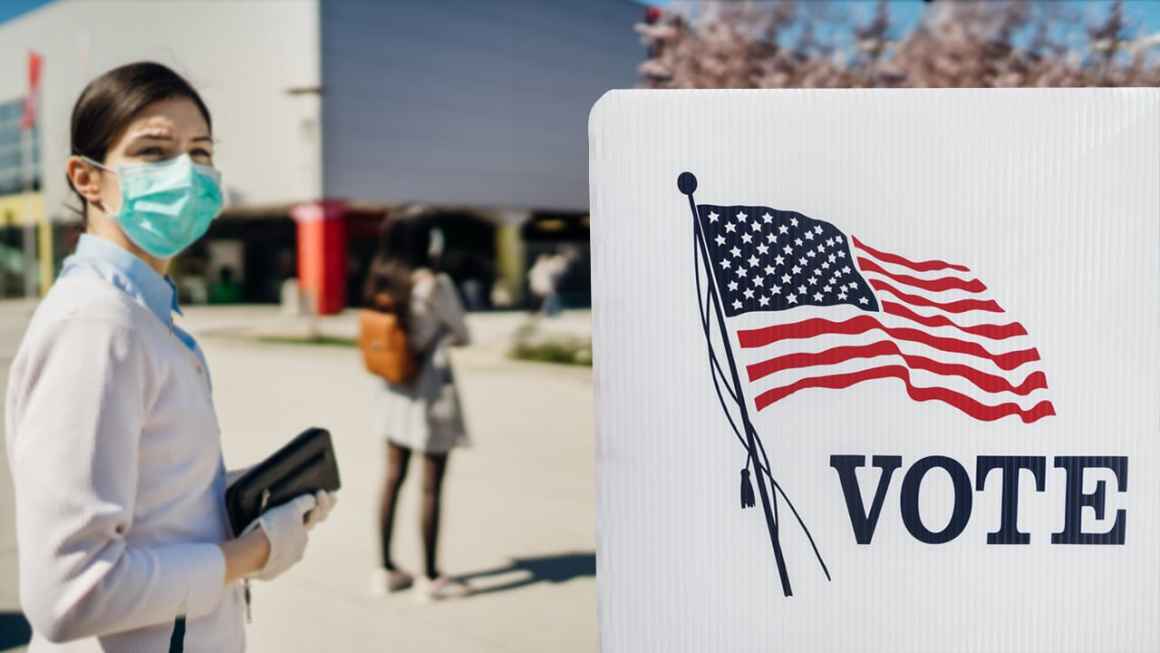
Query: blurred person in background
226, 290
540, 282
422, 415
283, 270
473, 286
544, 279
123, 537
473, 293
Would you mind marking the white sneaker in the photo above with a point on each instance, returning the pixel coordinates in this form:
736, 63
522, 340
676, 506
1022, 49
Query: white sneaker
384, 581
439, 589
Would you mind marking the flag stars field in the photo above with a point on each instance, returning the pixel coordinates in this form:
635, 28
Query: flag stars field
820, 246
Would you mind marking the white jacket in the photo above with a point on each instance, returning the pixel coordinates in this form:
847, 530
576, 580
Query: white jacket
116, 462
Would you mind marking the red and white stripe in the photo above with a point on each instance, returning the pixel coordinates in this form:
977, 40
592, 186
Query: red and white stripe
939, 334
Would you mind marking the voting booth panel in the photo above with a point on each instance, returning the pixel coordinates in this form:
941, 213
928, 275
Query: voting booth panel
877, 370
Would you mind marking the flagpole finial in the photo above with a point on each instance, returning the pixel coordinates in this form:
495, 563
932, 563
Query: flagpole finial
687, 183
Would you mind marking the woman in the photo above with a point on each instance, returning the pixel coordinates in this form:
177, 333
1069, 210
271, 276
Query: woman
123, 539
423, 415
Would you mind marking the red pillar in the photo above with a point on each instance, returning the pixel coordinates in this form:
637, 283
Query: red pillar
322, 254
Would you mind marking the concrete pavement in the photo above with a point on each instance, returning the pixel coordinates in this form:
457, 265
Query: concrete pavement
519, 516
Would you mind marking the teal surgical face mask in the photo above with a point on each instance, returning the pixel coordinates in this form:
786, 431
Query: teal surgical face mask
166, 206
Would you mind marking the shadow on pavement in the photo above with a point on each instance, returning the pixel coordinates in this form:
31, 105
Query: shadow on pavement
557, 568
14, 630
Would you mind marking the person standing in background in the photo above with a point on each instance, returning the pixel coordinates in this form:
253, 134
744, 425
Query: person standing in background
544, 279
226, 290
540, 282
422, 415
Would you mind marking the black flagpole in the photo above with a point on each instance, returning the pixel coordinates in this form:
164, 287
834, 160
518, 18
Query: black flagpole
687, 183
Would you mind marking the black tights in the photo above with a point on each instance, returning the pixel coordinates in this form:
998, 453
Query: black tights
434, 466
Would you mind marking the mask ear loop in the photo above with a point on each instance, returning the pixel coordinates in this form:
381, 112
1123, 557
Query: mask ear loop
102, 167
110, 170
97, 164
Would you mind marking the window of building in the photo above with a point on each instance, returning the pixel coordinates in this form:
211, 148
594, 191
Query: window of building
18, 160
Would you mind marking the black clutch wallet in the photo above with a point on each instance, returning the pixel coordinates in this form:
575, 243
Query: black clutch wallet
304, 466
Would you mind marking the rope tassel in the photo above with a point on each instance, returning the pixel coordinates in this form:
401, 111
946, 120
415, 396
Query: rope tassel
747, 499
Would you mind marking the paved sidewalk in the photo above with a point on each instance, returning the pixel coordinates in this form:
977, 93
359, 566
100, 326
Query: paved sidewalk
489, 330
519, 516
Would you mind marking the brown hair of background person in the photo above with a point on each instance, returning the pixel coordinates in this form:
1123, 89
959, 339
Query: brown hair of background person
404, 247
110, 102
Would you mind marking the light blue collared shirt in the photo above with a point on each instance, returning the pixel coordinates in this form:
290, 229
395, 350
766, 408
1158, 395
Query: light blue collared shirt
135, 278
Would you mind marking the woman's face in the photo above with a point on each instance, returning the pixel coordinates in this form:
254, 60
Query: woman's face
163, 130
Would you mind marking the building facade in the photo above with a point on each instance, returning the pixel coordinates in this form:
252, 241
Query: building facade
469, 114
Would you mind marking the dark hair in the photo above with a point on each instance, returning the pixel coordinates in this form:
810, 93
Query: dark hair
403, 247
110, 102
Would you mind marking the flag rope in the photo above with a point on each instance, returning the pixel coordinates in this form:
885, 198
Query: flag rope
718, 376
687, 184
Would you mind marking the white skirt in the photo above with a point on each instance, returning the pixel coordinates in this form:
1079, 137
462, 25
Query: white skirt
424, 415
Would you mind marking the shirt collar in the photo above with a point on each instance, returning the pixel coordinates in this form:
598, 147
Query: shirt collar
131, 274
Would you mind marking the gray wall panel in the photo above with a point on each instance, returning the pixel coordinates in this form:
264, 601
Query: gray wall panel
482, 103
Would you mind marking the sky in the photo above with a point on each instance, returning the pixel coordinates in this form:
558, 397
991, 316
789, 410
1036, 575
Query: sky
10, 9
1143, 15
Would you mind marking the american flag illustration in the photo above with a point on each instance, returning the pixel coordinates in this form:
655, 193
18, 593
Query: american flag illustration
839, 312
791, 304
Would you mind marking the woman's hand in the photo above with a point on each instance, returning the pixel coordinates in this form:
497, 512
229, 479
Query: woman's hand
277, 540
245, 555
272, 543
326, 502
285, 528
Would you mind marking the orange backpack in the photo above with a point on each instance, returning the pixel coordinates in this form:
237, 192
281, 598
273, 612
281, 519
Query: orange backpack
383, 342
